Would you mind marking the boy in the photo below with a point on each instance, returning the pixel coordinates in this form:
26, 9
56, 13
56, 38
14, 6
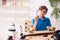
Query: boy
41, 22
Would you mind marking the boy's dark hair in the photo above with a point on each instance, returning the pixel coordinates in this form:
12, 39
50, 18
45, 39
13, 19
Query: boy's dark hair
43, 7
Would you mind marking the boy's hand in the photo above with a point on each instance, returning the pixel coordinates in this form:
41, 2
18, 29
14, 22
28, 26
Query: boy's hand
36, 18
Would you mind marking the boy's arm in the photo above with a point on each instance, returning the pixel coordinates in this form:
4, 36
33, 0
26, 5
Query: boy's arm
35, 23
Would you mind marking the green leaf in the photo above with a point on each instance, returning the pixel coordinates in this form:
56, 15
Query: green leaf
55, 13
53, 2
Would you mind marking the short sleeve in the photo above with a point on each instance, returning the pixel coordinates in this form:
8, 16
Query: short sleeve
49, 23
32, 22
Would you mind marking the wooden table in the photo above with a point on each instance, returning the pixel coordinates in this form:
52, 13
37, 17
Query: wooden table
39, 35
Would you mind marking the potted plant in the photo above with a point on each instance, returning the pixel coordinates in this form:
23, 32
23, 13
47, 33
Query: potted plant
56, 10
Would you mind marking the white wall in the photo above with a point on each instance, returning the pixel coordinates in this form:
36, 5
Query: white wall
12, 14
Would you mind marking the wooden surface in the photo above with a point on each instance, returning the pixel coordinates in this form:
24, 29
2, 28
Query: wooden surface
40, 32
31, 36
39, 37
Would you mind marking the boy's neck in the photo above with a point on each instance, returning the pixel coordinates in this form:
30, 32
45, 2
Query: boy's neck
41, 17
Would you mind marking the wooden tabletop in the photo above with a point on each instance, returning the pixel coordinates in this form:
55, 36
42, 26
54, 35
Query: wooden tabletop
39, 33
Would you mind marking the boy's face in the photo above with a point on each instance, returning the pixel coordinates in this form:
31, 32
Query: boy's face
42, 12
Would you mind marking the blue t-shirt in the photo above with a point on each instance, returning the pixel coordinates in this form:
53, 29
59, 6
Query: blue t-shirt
42, 24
